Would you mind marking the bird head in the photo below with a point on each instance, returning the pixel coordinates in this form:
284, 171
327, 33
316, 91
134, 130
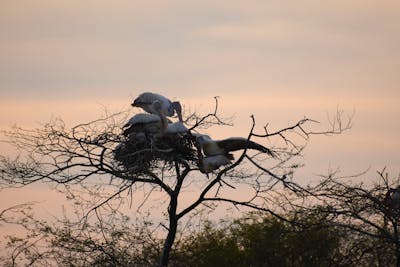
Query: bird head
137, 102
142, 99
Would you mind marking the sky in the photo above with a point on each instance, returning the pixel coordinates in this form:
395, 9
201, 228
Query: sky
279, 60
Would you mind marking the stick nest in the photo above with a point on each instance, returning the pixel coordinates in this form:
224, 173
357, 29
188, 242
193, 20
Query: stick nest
139, 154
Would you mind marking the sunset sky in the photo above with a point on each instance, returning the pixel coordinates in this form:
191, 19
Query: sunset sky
279, 60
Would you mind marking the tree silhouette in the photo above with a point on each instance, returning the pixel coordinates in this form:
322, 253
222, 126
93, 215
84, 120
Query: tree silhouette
368, 212
255, 239
170, 163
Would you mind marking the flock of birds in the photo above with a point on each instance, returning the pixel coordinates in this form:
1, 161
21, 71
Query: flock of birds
154, 127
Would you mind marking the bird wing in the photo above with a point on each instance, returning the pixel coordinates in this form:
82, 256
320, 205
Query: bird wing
142, 118
238, 143
145, 101
214, 162
161, 98
217, 160
176, 127
149, 98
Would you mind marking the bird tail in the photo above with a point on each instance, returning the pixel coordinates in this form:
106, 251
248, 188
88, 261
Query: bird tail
253, 145
230, 156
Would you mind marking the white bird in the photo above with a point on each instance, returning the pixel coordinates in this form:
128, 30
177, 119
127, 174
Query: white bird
168, 108
211, 163
223, 147
175, 128
168, 127
143, 122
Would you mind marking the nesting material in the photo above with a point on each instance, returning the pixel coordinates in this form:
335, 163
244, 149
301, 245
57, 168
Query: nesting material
153, 141
142, 153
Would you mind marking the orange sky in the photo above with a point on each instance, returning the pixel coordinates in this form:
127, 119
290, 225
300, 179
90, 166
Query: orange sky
278, 60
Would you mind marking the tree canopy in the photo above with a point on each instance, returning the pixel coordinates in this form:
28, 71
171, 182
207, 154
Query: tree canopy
153, 157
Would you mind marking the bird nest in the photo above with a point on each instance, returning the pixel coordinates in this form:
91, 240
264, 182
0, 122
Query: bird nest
141, 154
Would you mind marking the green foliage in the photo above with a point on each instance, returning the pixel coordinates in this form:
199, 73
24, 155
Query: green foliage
258, 241
210, 247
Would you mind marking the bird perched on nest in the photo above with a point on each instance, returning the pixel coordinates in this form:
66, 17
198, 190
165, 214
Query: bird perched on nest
143, 123
167, 127
168, 108
212, 147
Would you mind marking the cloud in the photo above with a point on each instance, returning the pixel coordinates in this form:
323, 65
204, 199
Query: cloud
58, 47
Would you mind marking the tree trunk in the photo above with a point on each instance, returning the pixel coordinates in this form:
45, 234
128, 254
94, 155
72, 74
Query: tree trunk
173, 224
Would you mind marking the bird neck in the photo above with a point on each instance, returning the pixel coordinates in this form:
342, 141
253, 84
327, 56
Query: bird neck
164, 120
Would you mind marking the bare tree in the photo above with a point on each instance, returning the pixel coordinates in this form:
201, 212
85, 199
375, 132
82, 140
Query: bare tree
170, 164
370, 212
112, 240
